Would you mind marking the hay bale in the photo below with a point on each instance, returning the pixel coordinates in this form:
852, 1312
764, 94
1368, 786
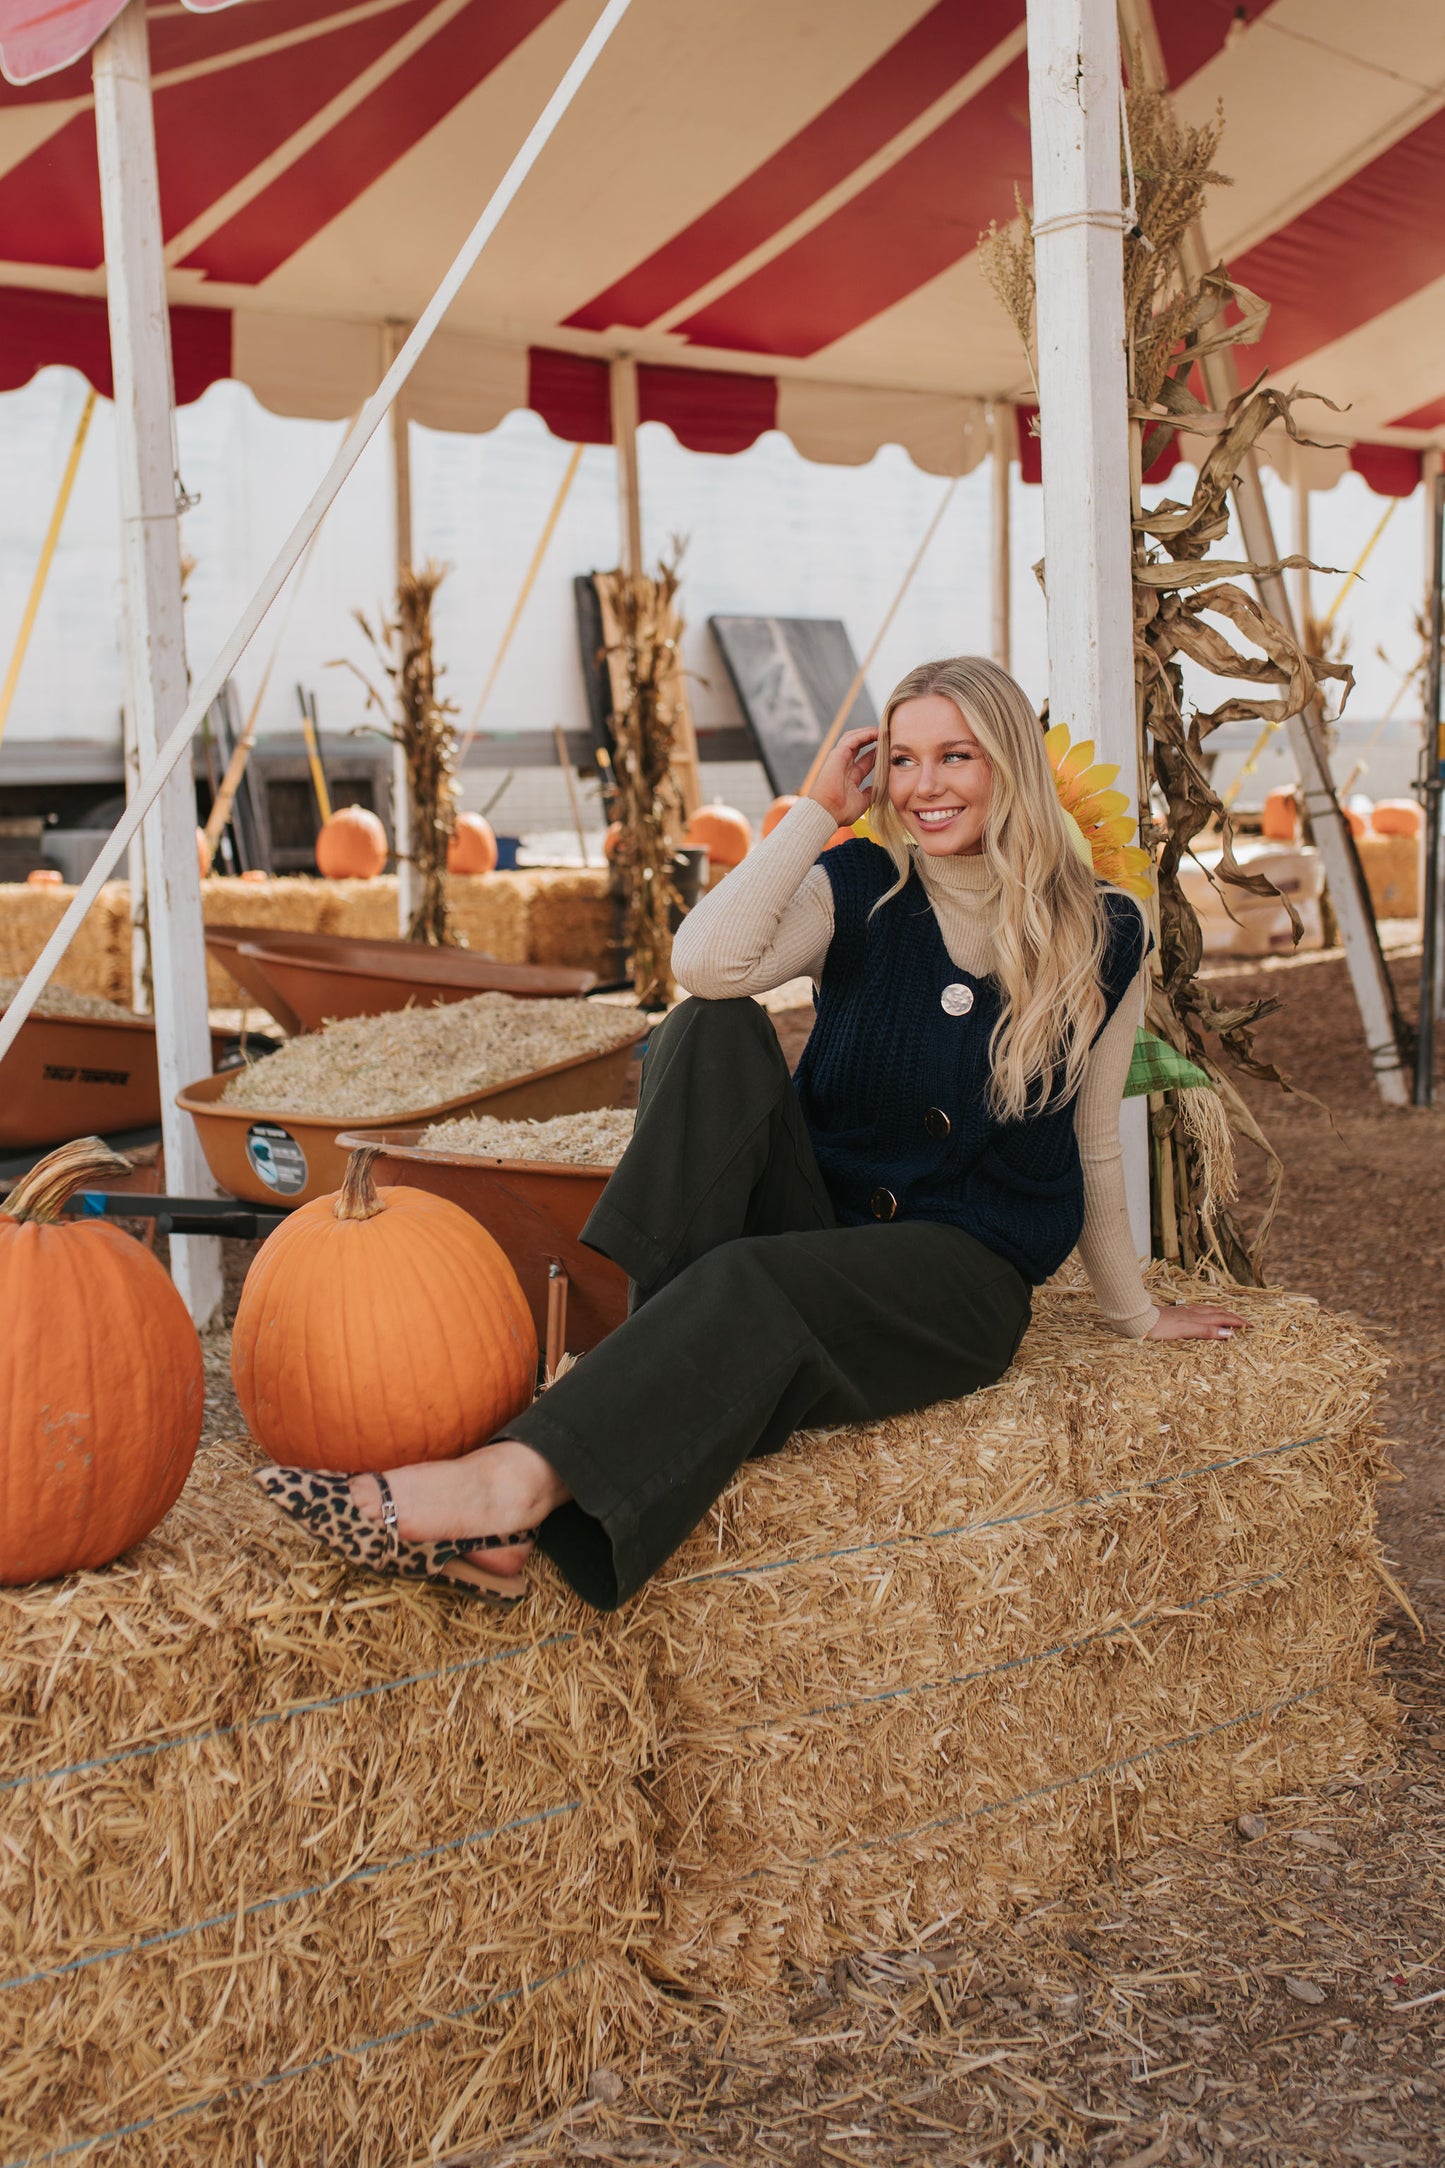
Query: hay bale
1392, 867
491, 911
28, 917
969, 1683
294, 904
947, 1663
571, 920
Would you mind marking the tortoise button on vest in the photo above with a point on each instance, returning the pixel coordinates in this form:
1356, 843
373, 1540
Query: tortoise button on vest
936, 1122
883, 1204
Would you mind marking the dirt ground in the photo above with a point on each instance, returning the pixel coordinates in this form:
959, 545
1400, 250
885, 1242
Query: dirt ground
1273, 1994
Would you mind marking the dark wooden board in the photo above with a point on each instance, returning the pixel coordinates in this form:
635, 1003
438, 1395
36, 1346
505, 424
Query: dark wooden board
790, 673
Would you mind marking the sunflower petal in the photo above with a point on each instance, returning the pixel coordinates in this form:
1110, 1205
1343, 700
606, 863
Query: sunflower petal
1056, 743
1101, 806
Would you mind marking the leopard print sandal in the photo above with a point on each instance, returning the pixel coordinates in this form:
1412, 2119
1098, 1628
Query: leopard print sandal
321, 1502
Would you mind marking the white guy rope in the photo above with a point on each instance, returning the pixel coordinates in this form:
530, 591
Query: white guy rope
209, 686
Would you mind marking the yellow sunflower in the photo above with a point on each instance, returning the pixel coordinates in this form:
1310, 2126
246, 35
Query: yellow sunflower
1100, 825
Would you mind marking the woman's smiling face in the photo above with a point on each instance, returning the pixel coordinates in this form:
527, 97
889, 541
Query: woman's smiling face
939, 778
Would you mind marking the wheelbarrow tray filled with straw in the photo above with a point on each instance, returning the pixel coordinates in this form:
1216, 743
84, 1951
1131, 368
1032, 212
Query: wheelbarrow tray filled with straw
284, 1158
308, 979
533, 1208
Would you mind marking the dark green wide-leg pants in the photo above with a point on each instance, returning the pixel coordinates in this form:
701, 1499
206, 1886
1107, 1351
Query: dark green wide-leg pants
754, 1314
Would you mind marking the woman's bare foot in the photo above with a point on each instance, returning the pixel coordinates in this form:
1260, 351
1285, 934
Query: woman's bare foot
496, 1490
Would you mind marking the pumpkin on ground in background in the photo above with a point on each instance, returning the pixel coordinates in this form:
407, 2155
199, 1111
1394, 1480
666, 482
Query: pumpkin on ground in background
351, 845
43, 877
473, 846
256, 874
1397, 817
378, 1327
778, 811
723, 832
1281, 814
101, 1382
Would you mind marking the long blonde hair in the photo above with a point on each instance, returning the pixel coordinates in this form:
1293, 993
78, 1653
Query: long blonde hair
1050, 930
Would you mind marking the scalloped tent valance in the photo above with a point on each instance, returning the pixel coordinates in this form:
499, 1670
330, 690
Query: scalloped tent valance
774, 205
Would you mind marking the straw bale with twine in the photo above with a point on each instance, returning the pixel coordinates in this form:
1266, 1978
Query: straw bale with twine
98, 959
278, 1840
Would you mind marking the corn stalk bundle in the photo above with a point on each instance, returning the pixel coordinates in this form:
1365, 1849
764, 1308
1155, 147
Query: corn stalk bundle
1174, 320
420, 722
645, 679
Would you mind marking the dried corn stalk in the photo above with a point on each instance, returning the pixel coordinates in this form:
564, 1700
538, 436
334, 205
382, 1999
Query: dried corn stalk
419, 720
645, 677
1173, 321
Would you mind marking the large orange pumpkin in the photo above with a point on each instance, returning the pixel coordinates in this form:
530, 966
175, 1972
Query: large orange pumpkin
101, 1382
351, 845
778, 811
473, 848
378, 1327
723, 833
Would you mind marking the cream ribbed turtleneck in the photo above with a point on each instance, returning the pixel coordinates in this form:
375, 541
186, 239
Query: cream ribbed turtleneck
772, 920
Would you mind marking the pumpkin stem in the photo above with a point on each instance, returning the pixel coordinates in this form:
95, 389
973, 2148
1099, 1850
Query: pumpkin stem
357, 1198
40, 1194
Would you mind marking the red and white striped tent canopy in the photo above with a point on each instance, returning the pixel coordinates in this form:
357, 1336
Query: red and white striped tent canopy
774, 204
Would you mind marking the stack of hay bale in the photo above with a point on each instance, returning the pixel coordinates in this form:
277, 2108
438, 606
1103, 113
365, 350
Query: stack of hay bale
547, 917
294, 1862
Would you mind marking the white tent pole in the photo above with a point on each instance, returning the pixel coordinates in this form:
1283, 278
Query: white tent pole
234, 646
1083, 412
1301, 578
155, 637
399, 446
1004, 440
1348, 893
624, 437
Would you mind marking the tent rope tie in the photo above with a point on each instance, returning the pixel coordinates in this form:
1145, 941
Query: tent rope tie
150, 1747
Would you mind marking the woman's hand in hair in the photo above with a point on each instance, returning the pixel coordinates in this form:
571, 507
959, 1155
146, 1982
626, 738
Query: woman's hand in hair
844, 783
1196, 1321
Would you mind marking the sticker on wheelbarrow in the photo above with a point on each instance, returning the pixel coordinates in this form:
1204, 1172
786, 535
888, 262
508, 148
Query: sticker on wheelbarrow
276, 1157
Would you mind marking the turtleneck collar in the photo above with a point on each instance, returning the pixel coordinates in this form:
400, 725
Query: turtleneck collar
963, 876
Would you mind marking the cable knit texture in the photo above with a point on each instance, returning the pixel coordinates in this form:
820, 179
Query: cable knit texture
771, 920
894, 1081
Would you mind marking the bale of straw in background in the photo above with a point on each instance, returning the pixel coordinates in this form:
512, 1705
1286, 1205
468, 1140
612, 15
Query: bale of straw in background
572, 920
492, 912
28, 917
293, 905
276, 1841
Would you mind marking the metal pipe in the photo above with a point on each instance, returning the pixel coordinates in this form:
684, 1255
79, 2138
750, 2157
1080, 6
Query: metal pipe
1431, 790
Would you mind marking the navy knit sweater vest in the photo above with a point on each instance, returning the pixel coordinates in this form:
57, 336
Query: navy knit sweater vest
894, 1081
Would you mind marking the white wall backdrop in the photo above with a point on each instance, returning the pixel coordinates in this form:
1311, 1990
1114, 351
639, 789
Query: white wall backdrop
766, 531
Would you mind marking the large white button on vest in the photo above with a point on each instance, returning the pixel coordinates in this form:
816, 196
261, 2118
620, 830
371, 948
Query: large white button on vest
956, 1000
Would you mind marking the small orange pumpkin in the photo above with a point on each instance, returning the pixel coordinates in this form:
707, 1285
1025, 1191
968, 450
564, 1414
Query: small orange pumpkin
256, 874
612, 843
1397, 817
1281, 815
473, 847
351, 845
1357, 813
378, 1327
101, 1382
203, 854
43, 877
723, 833
840, 835
778, 811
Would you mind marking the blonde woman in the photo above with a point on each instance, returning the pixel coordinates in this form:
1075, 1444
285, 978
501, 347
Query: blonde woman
862, 1241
